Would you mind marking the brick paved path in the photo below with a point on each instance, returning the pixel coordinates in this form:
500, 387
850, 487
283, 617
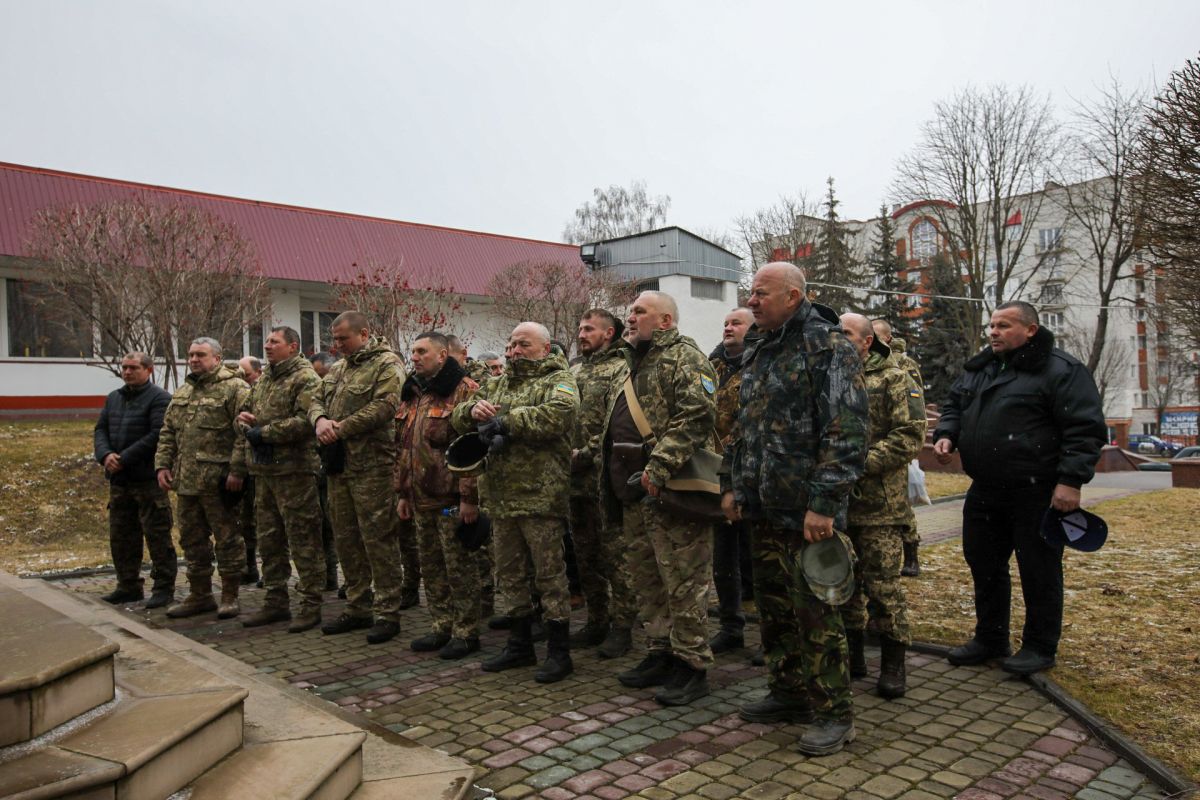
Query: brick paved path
967, 732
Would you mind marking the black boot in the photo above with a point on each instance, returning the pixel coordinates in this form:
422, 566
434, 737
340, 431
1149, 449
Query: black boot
911, 568
858, 659
519, 650
590, 635
891, 668
654, 670
558, 652
686, 685
617, 643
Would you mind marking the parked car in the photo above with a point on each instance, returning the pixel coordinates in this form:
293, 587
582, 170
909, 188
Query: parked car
1149, 445
1188, 452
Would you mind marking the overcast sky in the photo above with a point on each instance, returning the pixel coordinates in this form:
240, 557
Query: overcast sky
503, 116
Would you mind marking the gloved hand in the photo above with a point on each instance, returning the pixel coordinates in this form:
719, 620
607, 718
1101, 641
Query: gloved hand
494, 433
260, 452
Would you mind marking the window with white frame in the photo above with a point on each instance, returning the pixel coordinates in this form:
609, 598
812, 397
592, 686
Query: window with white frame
314, 331
1052, 293
1049, 239
924, 240
1052, 321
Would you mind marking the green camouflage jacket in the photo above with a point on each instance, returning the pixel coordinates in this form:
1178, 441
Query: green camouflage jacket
599, 377
478, 371
280, 400
905, 361
199, 431
539, 403
362, 391
423, 432
897, 411
802, 426
674, 384
729, 384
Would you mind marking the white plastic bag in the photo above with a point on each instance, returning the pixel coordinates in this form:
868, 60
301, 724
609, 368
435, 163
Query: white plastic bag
916, 484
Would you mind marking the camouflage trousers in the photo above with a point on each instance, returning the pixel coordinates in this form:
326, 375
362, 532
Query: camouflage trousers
246, 521
451, 575
484, 563
878, 593
288, 518
138, 511
803, 638
603, 575
366, 531
203, 520
410, 557
669, 563
531, 547
908, 530
326, 526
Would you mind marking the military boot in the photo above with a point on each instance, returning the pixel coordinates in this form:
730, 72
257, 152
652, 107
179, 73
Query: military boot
519, 650
308, 618
229, 607
124, 594
590, 635
250, 573
858, 659
617, 643
891, 668
267, 615
654, 670
686, 685
558, 663
911, 568
199, 600
826, 736
777, 708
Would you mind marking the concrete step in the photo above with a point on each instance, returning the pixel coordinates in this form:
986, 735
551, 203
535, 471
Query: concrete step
316, 768
157, 745
52, 669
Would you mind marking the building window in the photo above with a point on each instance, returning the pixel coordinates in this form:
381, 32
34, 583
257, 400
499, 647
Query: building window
991, 265
37, 330
1049, 239
1052, 267
648, 286
914, 301
989, 292
924, 240
314, 331
1014, 232
708, 290
1053, 321
1052, 294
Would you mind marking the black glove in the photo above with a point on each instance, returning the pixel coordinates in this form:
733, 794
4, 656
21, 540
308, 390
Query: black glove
493, 434
260, 452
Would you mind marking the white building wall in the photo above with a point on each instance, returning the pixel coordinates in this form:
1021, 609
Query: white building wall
700, 318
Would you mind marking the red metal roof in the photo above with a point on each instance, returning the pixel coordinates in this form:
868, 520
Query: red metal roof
293, 243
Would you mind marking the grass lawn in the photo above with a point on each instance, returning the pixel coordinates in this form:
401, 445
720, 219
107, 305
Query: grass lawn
1131, 630
945, 484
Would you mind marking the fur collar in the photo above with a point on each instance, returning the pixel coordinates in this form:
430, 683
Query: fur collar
443, 384
1029, 357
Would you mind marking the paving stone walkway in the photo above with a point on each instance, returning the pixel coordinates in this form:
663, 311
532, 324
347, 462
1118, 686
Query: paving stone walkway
972, 733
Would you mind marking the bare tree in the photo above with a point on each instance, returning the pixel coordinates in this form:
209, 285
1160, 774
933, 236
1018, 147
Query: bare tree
786, 230
555, 294
986, 153
149, 277
1168, 162
617, 211
399, 303
1102, 206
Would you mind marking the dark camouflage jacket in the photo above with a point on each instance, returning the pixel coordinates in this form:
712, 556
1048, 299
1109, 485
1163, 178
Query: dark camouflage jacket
423, 432
905, 361
539, 403
802, 427
280, 400
897, 412
674, 384
599, 377
199, 431
362, 391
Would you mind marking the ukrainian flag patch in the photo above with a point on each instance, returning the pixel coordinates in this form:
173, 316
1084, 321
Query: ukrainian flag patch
564, 388
708, 384
913, 393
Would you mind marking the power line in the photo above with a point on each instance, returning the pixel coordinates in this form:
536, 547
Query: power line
967, 299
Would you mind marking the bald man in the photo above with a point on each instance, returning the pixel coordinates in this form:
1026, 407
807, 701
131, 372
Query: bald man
669, 559
801, 445
879, 508
527, 418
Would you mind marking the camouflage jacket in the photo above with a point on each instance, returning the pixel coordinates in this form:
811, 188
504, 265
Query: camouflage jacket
539, 403
423, 432
802, 426
599, 377
897, 412
674, 384
199, 431
729, 384
362, 392
280, 400
478, 372
907, 362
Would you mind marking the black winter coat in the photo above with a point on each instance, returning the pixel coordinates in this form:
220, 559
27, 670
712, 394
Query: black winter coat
1034, 417
128, 426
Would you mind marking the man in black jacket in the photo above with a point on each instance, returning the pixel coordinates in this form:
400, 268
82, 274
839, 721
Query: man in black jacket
1028, 423
126, 437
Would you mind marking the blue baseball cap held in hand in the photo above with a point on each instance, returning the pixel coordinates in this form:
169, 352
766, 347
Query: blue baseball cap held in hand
1079, 529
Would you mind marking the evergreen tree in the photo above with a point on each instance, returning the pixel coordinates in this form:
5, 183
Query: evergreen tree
831, 261
887, 266
945, 342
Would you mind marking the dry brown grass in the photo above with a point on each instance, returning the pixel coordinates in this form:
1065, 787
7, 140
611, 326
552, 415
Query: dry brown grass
1131, 629
945, 484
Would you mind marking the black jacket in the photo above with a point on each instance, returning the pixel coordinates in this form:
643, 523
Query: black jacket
129, 426
1032, 417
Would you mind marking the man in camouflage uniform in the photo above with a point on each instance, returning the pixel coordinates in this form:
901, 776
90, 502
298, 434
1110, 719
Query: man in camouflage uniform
801, 445
195, 459
669, 559
599, 549
281, 454
249, 369
879, 506
435, 500
911, 537
527, 416
353, 413
321, 362
125, 438
730, 539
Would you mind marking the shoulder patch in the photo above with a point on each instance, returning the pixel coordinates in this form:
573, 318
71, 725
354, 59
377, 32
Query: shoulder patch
913, 393
564, 388
708, 384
